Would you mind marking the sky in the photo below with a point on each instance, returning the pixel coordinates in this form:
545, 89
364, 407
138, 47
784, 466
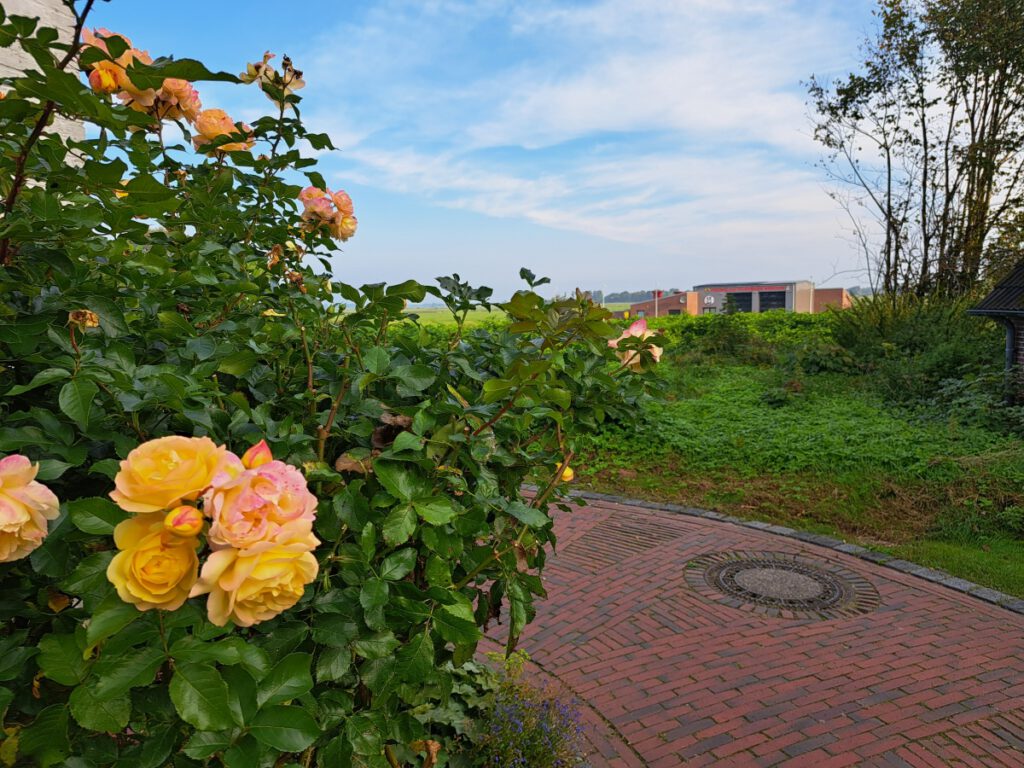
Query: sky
609, 144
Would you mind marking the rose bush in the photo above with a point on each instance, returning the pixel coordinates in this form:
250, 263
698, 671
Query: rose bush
286, 513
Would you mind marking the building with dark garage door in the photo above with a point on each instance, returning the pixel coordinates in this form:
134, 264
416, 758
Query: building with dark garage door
792, 296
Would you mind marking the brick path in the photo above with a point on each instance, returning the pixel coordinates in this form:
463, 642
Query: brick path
930, 678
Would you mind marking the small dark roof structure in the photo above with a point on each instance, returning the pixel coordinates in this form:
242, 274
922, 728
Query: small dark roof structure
1006, 304
1006, 299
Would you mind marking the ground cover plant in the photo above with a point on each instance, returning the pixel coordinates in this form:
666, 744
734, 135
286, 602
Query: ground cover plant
886, 424
249, 514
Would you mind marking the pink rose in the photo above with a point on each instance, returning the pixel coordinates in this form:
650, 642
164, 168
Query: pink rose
257, 507
630, 357
25, 508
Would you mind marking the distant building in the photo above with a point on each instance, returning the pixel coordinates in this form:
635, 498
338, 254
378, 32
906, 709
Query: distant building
682, 303
714, 298
836, 298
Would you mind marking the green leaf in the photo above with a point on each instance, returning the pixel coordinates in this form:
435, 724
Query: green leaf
241, 694
288, 729
42, 378
46, 739
132, 669
333, 664
107, 174
374, 594
96, 714
200, 696
436, 511
456, 624
204, 744
95, 515
400, 479
530, 516
399, 525
110, 617
377, 646
60, 659
238, 363
289, 679
413, 378
397, 565
416, 658
407, 441
76, 400
496, 389
245, 754
12, 661
376, 360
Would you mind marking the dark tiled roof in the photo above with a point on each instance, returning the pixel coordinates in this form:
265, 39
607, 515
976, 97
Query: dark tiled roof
1007, 298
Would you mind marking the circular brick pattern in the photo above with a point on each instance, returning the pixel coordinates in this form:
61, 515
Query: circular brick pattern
781, 585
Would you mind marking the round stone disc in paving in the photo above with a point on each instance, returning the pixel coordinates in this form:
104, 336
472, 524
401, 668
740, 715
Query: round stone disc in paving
781, 585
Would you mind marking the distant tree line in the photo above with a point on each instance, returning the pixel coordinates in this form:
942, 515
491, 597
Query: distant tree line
924, 143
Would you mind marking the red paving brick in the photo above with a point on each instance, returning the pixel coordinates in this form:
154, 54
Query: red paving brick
671, 678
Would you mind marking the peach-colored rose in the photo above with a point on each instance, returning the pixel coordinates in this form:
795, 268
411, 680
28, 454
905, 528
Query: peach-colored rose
162, 473
113, 75
155, 568
632, 358
248, 587
211, 124
331, 209
343, 227
25, 506
176, 99
343, 202
258, 507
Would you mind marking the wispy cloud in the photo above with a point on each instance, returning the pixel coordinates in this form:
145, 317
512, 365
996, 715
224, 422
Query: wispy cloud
676, 125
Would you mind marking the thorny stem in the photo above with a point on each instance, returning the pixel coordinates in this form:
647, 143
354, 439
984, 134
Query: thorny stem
389, 753
44, 118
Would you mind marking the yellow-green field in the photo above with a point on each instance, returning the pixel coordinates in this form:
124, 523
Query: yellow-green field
441, 315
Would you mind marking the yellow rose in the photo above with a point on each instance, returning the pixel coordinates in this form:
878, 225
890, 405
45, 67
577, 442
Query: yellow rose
568, 475
156, 567
25, 506
248, 587
162, 473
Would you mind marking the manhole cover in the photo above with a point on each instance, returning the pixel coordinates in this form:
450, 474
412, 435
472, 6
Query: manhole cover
781, 585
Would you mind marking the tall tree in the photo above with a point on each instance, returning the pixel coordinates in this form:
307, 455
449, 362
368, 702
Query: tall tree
924, 143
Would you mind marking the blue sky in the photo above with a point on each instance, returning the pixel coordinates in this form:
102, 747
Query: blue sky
616, 144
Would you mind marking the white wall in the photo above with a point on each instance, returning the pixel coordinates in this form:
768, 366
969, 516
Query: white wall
52, 13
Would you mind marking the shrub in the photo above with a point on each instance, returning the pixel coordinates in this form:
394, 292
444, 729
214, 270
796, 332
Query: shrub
172, 352
914, 343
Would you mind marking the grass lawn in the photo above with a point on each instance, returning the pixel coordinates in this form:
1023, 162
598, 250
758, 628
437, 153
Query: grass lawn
831, 457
